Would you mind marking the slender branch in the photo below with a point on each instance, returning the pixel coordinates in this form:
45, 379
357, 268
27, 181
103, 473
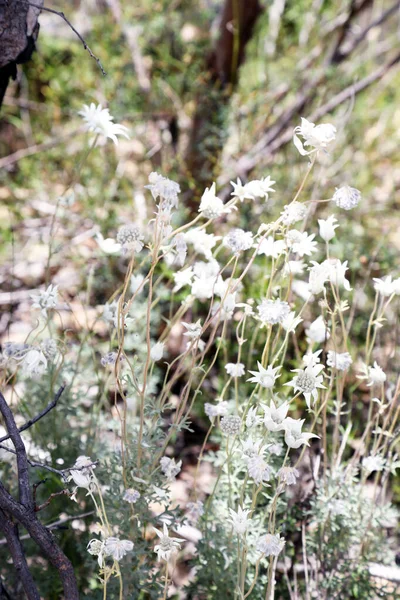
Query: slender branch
44, 412
64, 18
55, 525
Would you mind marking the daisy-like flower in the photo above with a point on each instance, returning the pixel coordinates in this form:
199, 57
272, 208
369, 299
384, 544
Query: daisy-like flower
241, 191
252, 418
274, 416
327, 228
202, 242
384, 286
318, 331
235, 369
294, 267
346, 197
294, 437
290, 322
270, 545
373, 463
271, 247
260, 188
341, 362
301, 243
193, 330
98, 120
107, 245
117, 548
288, 475
167, 546
130, 238
164, 188
231, 425
264, 377
211, 206
251, 448
45, 300
183, 278
240, 520
34, 363
131, 496
258, 469
238, 240
319, 275
273, 311
307, 381
157, 351
294, 212
337, 271
170, 468
376, 375
96, 548
216, 410
49, 348
317, 136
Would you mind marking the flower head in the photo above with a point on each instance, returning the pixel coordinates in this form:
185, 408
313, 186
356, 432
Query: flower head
294, 437
288, 475
117, 548
211, 206
168, 546
240, 520
274, 416
130, 238
264, 377
46, 299
258, 469
273, 311
193, 330
341, 362
165, 189
307, 381
34, 363
294, 212
238, 240
231, 425
157, 351
131, 496
270, 545
170, 468
318, 137
216, 410
327, 228
235, 369
318, 331
98, 120
346, 197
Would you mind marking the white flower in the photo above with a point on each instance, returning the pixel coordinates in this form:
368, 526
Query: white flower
202, 242
294, 437
117, 548
273, 311
274, 416
307, 381
98, 120
228, 307
164, 188
170, 468
376, 375
270, 545
211, 206
136, 283
216, 410
241, 191
260, 188
231, 425
301, 243
49, 348
288, 475
168, 546
108, 245
46, 299
34, 363
193, 330
96, 548
258, 469
271, 247
235, 369
109, 359
373, 463
183, 278
180, 249
346, 197
131, 496
318, 331
385, 287
341, 362
317, 136
157, 351
130, 238
251, 448
327, 228
290, 322
396, 286
264, 377
251, 418
337, 270
294, 212
239, 520
238, 240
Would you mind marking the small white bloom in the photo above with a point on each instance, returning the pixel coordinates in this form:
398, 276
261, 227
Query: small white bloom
385, 287
373, 463
193, 330
96, 548
319, 275
168, 546
294, 267
183, 278
376, 375
274, 416
108, 245
294, 437
318, 331
165, 189
290, 322
231, 425
211, 206
49, 348
252, 419
258, 469
202, 242
131, 496
265, 377
170, 468
288, 475
136, 283
341, 362
270, 545
130, 238
317, 136
98, 120
117, 548
157, 351
271, 247
238, 240
216, 410
300, 242
235, 369
34, 363
347, 197
294, 212
327, 228
307, 381
46, 300
260, 188
241, 191
273, 311
337, 271
240, 520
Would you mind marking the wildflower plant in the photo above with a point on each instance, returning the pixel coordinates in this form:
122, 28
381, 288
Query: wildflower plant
202, 305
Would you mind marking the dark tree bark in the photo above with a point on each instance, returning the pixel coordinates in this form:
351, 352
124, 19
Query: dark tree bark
19, 29
215, 90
